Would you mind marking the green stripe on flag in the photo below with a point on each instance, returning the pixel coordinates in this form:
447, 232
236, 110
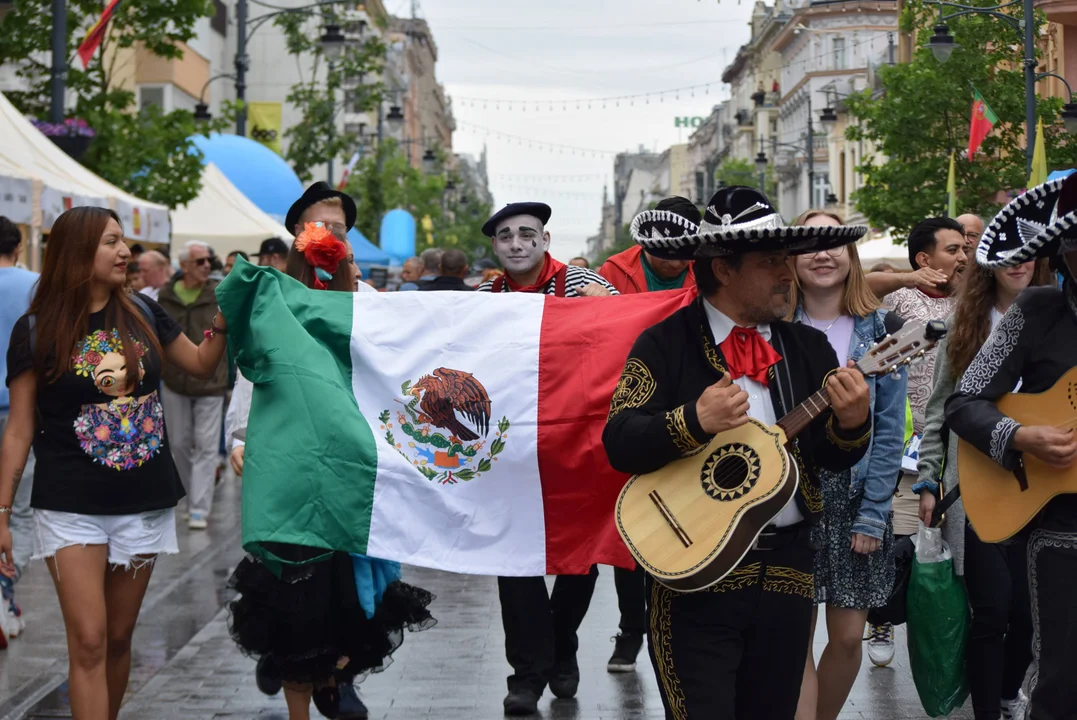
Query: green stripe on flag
311, 458
988, 113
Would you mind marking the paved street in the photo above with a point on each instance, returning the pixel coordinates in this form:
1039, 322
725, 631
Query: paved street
187, 667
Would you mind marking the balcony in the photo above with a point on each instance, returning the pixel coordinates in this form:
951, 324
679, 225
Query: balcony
1063, 12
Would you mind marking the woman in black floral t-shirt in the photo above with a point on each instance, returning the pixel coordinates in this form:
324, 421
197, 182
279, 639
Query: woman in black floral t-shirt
83, 368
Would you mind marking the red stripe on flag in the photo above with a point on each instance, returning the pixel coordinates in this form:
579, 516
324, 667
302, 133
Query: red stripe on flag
96, 34
583, 345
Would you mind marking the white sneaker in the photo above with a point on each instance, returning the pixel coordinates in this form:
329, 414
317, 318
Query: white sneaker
881, 644
1015, 709
197, 521
10, 625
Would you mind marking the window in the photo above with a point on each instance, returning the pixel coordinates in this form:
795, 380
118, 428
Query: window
219, 22
151, 95
820, 189
839, 53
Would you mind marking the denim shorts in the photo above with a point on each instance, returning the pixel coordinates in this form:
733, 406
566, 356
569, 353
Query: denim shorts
131, 539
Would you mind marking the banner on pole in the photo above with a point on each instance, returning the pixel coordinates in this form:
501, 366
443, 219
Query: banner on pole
265, 118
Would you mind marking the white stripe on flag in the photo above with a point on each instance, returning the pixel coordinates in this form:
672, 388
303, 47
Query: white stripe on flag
492, 524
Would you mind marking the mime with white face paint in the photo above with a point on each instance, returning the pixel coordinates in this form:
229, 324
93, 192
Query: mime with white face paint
522, 244
540, 628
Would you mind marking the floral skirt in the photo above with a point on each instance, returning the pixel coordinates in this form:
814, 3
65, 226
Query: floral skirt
844, 578
310, 621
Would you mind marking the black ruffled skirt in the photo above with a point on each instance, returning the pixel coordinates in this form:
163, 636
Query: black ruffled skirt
309, 620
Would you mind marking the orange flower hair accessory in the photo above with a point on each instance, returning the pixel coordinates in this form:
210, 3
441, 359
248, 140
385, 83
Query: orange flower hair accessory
323, 250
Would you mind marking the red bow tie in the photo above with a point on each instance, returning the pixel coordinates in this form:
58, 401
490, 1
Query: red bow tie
748, 354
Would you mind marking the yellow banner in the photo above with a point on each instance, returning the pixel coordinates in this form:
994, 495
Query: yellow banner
264, 118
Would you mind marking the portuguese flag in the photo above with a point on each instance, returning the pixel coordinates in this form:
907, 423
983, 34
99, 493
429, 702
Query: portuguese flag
983, 119
457, 431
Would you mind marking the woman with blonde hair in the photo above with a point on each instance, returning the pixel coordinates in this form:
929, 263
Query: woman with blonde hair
854, 565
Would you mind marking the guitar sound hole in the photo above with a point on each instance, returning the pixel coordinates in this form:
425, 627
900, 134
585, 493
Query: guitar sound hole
730, 472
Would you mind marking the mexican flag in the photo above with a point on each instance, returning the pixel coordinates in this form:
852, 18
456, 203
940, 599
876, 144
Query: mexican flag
457, 431
983, 119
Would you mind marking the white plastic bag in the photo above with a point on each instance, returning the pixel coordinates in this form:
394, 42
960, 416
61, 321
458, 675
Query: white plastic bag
930, 547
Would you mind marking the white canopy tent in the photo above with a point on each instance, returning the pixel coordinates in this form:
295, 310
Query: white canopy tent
883, 249
223, 217
62, 183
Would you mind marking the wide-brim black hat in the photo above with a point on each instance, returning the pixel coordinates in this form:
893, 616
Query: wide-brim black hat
314, 194
1041, 222
536, 209
738, 220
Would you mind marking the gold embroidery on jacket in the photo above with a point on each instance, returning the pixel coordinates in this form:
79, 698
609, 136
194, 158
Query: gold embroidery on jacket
634, 389
678, 428
741, 577
661, 637
810, 489
789, 581
842, 443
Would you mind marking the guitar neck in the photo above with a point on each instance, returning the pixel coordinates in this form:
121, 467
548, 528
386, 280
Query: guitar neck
802, 415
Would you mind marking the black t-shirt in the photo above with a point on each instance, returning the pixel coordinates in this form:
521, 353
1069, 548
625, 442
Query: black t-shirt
100, 451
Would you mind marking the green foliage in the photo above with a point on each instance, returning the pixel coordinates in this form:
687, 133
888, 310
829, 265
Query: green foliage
444, 219
742, 172
315, 139
923, 114
147, 153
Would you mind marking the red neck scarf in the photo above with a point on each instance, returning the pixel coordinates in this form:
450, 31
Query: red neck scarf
550, 268
748, 354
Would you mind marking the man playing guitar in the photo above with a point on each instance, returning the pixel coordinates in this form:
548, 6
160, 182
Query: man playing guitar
707, 369
1034, 343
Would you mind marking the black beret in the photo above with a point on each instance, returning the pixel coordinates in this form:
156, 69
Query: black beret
316, 193
535, 209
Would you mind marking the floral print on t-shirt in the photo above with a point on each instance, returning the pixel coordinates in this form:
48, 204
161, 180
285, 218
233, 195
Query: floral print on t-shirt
126, 431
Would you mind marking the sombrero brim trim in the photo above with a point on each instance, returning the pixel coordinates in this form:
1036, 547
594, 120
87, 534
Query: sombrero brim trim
795, 238
989, 256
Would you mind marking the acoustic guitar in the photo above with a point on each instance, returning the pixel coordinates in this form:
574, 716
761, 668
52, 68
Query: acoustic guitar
1000, 502
690, 523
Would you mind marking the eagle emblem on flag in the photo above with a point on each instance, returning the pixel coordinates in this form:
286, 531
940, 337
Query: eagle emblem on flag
438, 442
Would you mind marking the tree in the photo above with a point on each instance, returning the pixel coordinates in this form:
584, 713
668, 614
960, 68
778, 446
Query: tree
742, 172
148, 153
922, 113
315, 139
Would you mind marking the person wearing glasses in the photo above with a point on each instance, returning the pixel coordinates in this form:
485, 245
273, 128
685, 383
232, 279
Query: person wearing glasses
974, 228
854, 562
194, 407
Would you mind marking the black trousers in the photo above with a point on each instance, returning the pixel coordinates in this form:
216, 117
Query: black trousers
632, 598
999, 648
540, 627
1052, 577
736, 650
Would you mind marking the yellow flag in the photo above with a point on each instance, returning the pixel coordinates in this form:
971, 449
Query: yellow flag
951, 189
1038, 176
265, 123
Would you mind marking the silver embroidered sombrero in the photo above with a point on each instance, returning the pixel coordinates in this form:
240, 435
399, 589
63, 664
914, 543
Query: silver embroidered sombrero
738, 220
1026, 228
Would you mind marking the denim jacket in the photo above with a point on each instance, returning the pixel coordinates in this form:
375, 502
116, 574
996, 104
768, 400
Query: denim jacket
876, 473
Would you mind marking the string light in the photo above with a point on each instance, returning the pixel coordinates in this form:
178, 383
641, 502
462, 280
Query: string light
532, 143
568, 104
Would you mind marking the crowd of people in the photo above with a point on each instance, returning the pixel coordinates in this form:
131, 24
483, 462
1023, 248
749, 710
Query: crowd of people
118, 405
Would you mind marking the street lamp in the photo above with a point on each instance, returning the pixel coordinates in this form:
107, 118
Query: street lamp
395, 118
761, 166
828, 117
430, 162
333, 43
942, 43
201, 109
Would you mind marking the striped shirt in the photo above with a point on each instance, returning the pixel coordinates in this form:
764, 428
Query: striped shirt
576, 278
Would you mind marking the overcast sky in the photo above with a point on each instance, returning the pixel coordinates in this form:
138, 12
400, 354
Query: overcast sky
568, 50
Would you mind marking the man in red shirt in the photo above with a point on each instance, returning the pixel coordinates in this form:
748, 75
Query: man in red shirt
636, 270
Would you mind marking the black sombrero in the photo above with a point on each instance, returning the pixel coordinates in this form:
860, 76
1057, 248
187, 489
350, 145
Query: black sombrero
738, 220
315, 194
1041, 222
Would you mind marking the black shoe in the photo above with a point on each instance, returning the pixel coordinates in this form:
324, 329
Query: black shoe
327, 700
625, 650
351, 707
521, 702
265, 676
565, 679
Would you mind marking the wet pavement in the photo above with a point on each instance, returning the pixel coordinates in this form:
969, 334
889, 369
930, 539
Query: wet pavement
186, 666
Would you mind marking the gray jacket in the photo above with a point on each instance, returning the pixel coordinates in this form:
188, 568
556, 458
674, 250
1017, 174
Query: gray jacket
931, 455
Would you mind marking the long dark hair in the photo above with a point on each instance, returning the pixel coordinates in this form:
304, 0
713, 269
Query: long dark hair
970, 325
61, 305
298, 267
